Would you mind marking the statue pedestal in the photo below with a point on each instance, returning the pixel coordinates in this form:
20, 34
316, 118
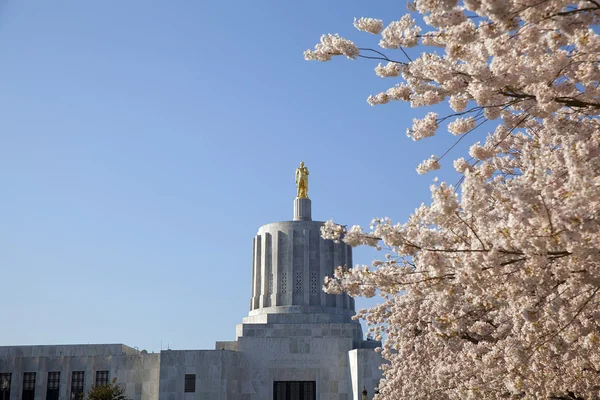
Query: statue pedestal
302, 210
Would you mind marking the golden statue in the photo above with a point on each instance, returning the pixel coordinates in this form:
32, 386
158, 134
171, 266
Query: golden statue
302, 181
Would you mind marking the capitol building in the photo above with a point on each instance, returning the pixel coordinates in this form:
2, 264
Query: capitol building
296, 343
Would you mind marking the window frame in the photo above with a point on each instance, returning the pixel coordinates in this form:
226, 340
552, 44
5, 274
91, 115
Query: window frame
77, 391
102, 377
28, 392
29, 384
189, 385
53, 385
306, 390
5, 389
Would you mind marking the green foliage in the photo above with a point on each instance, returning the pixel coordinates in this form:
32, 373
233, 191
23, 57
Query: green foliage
110, 391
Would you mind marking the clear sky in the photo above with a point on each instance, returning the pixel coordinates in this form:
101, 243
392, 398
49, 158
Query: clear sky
143, 143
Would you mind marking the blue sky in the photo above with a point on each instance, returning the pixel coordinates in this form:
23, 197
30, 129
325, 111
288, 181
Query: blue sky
143, 143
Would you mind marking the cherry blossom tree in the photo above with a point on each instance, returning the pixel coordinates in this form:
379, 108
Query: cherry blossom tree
492, 290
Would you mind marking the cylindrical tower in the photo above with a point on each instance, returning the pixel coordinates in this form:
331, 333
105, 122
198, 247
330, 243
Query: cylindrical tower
290, 261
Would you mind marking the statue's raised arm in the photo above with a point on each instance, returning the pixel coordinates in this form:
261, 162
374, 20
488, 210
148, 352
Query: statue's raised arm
302, 181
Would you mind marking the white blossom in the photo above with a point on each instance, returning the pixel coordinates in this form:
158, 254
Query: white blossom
428, 165
424, 127
461, 125
332, 45
402, 33
458, 102
391, 69
462, 166
380, 98
399, 92
369, 25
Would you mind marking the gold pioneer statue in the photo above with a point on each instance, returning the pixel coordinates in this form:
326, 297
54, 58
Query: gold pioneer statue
302, 181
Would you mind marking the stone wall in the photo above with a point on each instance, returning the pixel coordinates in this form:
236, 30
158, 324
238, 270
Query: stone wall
316, 352
220, 374
137, 373
365, 371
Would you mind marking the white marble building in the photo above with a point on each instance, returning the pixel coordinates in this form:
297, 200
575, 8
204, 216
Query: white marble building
297, 342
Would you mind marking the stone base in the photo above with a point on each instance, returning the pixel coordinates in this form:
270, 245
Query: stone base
302, 209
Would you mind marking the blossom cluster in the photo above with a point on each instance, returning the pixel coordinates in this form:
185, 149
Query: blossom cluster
461, 125
431, 164
391, 69
370, 25
332, 45
423, 128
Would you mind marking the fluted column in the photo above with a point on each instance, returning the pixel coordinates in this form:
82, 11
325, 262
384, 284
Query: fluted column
302, 209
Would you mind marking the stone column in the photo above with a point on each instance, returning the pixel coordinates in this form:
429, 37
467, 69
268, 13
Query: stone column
256, 262
274, 277
255, 279
306, 269
302, 211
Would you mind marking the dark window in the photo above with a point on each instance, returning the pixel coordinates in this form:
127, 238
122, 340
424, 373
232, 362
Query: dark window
53, 386
295, 390
190, 383
101, 378
77, 385
28, 385
4, 386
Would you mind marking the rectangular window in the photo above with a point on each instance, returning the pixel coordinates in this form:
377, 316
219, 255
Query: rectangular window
5, 386
28, 385
53, 386
101, 378
190, 383
77, 378
295, 390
